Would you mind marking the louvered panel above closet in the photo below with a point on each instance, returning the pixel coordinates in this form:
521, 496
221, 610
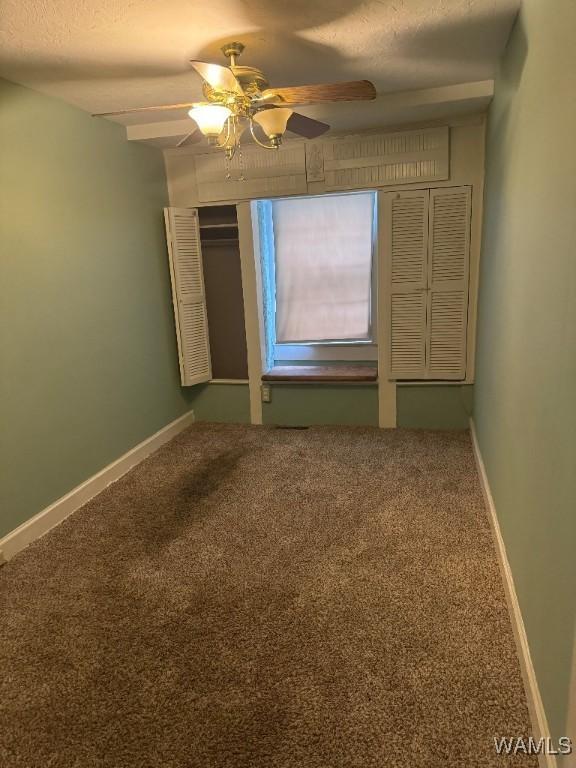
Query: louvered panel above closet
379, 160
253, 173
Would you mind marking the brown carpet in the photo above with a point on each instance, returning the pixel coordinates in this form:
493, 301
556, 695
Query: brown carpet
261, 598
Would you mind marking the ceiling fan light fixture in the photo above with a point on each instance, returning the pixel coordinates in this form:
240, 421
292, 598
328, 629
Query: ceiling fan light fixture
240, 97
273, 121
210, 118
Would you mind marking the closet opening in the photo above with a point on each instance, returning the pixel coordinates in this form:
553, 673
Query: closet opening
223, 287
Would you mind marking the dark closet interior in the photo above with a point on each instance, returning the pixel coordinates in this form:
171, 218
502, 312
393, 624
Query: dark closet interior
223, 284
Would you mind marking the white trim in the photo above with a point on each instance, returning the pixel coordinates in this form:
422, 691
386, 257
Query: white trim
476, 219
252, 295
307, 383
434, 383
535, 705
229, 381
387, 411
54, 514
570, 731
334, 351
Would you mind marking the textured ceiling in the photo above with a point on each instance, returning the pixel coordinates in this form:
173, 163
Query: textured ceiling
113, 54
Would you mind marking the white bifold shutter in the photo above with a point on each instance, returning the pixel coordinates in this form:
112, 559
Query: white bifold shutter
448, 260
428, 236
185, 255
406, 220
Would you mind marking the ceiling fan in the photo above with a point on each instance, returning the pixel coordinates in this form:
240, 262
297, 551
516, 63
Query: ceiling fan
238, 97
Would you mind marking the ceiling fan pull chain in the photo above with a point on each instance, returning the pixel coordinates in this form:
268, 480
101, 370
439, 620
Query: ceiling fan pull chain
241, 164
228, 174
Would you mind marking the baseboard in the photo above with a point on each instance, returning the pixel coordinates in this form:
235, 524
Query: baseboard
535, 706
41, 523
570, 761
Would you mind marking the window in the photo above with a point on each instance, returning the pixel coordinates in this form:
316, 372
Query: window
319, 271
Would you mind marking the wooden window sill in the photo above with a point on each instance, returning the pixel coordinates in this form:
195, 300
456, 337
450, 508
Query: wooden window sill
320, 373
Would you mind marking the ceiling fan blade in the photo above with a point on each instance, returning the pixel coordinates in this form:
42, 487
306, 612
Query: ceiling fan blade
221, 78
356, 90
191, 138
306, 126
187, 105
267, 98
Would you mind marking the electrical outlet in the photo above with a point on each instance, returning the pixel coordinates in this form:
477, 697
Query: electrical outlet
266, 393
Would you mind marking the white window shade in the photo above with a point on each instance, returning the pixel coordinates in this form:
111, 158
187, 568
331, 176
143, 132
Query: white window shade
323, 255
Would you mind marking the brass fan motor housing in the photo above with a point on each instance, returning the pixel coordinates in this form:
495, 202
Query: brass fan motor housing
232, 50
252, 80
238, 104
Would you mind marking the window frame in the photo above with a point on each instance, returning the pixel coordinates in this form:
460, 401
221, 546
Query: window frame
338, 349
347, 351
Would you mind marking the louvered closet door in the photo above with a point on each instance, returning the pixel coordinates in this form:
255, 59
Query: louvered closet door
407, 222
183, 234
448, 264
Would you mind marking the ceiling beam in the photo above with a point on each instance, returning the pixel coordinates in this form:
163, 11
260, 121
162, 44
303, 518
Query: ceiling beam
477, 93
444, 94
159, 130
